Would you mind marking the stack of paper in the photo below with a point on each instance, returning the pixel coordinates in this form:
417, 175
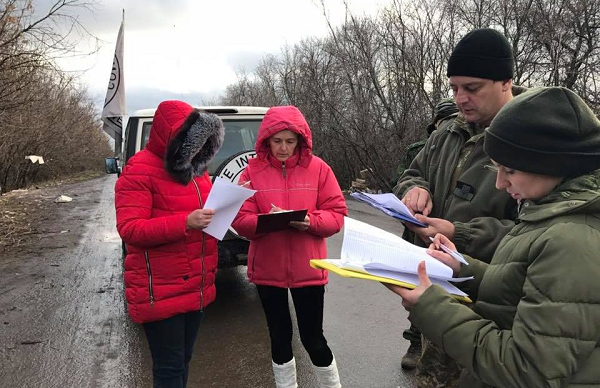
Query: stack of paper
389, 204
374, 254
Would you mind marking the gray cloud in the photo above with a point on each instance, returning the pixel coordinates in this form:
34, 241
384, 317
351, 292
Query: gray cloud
245, 60
100, 18
143, 98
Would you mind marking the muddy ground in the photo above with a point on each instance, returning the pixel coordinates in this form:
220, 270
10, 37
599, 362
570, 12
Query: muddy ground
63, 321
59, 304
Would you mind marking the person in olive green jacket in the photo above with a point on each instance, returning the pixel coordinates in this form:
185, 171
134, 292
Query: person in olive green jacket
444, 110
536, 319
447, 185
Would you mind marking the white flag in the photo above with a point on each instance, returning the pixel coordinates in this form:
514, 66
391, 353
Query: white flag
114, 103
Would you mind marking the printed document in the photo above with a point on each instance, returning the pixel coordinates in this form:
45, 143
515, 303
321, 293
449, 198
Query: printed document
226, 199
390, 205
368, 249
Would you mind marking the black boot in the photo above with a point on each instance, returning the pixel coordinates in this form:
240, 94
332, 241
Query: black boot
409, 361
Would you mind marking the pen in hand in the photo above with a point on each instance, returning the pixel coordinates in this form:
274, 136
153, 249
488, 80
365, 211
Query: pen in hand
453, 253
275, 209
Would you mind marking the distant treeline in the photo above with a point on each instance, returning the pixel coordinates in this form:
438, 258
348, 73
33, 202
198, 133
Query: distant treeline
368, 88
42, 111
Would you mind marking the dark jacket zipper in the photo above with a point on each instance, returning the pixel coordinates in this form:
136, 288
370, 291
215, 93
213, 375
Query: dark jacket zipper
150, 291
283, 169
202, 251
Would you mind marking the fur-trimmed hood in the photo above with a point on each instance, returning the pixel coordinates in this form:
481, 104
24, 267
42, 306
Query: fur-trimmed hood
185, 138
194, 146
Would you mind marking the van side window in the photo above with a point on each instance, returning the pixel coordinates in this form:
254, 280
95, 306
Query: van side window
145, 134
240, 135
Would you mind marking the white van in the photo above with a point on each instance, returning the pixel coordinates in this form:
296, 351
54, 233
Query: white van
241, 127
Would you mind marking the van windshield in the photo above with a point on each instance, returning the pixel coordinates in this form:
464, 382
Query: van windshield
240, 135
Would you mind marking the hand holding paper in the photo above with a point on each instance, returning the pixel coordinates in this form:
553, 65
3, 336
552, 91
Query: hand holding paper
411, 297
301, 225
374, 254
418, 200
434, 226
199, 218
226, 199
390, 205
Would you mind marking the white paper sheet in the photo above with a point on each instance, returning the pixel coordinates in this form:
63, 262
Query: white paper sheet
414, 279
400, 276
389, 204
366, 244
366, 248
226, 199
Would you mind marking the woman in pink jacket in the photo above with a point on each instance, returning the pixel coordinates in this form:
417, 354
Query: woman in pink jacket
171, 263
287, 176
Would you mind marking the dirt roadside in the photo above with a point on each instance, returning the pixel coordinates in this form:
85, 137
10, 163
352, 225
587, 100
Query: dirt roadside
30, 217
61, 299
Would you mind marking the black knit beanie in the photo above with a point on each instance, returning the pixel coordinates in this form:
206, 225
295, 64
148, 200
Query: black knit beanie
483, 53
548, 131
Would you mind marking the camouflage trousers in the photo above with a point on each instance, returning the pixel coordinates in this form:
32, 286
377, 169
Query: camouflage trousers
435, 369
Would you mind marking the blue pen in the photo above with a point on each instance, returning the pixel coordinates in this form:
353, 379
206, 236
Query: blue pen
452, 253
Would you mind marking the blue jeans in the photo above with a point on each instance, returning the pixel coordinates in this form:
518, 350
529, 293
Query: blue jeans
171, 343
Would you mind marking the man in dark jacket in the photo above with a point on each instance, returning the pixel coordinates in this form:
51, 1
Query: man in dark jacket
448, 186
535, 319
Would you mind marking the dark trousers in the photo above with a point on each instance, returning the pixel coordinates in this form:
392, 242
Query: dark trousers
412, 334
171, 343
308, 302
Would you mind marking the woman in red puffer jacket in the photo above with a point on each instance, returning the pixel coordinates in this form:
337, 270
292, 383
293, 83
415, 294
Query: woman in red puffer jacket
287, 175
171, 264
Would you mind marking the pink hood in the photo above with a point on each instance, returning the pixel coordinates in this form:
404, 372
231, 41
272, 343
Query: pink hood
279, 118
303, 181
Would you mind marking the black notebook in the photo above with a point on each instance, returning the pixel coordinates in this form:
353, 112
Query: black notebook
271, 222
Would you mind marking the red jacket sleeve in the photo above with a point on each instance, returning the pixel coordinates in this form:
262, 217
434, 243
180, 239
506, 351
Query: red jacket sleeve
328, 219
133, 203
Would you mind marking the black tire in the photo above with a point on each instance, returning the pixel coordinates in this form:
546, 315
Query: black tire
233, 252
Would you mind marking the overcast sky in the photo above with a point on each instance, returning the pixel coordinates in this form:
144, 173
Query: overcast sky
191, 49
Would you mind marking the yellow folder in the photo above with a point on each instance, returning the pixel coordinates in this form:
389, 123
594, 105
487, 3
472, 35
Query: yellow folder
322, 264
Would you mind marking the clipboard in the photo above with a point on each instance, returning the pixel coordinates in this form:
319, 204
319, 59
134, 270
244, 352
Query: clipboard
272, 222
324, 264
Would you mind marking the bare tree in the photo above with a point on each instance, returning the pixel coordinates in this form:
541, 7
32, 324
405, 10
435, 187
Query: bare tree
42, 112
368, 89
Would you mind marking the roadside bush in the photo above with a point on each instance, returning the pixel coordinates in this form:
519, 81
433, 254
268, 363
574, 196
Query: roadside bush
42, 111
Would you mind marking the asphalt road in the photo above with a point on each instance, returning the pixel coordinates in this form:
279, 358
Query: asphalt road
63, 321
